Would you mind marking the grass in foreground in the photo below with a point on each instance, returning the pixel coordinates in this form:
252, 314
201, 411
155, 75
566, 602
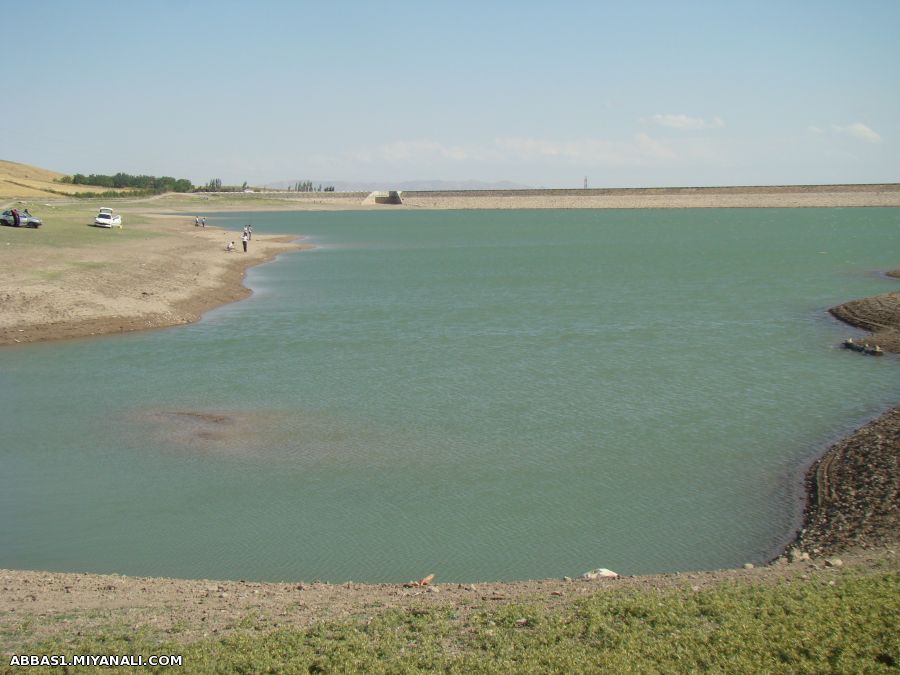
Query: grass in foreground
799, 626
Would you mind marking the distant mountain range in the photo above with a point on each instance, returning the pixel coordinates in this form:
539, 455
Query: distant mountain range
410, 185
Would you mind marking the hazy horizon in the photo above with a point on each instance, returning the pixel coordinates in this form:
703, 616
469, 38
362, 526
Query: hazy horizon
645, 95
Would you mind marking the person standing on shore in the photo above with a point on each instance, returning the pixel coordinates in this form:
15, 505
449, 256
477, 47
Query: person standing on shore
203, 221
249, 231
196, 221
244, 239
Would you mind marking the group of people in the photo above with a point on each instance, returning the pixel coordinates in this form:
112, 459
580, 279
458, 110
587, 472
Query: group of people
17, 217
246, 236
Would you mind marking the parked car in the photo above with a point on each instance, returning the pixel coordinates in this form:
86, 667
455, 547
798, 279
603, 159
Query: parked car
16, 218
106, 218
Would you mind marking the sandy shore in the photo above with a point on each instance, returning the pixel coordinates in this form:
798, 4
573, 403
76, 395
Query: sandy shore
165, 272
123, 282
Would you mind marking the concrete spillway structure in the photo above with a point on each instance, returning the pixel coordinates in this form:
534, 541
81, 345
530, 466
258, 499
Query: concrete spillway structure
383, 197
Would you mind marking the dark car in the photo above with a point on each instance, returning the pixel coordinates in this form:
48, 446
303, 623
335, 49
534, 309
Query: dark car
16, 218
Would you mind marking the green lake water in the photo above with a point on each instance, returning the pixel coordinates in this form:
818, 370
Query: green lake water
475, 394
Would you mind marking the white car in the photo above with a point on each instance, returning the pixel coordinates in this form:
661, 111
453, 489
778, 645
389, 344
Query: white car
106, 218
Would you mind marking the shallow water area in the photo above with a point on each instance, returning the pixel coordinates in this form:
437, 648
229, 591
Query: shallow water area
478, 394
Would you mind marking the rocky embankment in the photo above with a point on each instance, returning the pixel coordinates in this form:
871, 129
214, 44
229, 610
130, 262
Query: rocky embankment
853, 491
880, 315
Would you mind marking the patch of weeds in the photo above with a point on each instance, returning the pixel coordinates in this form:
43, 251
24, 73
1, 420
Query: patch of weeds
790, 627
179, 626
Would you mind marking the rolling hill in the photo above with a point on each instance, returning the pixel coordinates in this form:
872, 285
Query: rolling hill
22, 180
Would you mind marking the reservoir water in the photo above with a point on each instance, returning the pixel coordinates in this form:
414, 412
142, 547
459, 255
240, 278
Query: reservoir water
475, 394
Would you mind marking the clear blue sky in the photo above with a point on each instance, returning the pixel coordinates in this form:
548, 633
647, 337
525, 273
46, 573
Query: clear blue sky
544, 94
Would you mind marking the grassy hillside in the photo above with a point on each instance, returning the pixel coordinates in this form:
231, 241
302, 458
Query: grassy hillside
24, 181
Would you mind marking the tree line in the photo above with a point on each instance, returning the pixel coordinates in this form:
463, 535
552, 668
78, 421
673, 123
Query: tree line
215, 185
158, 184
307, 186
119, 181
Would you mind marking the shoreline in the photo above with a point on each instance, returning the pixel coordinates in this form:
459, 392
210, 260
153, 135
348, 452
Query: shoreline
37, 605
174, 283
847, 511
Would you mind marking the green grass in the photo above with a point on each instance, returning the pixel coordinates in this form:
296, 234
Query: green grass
69, 226
798, 627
